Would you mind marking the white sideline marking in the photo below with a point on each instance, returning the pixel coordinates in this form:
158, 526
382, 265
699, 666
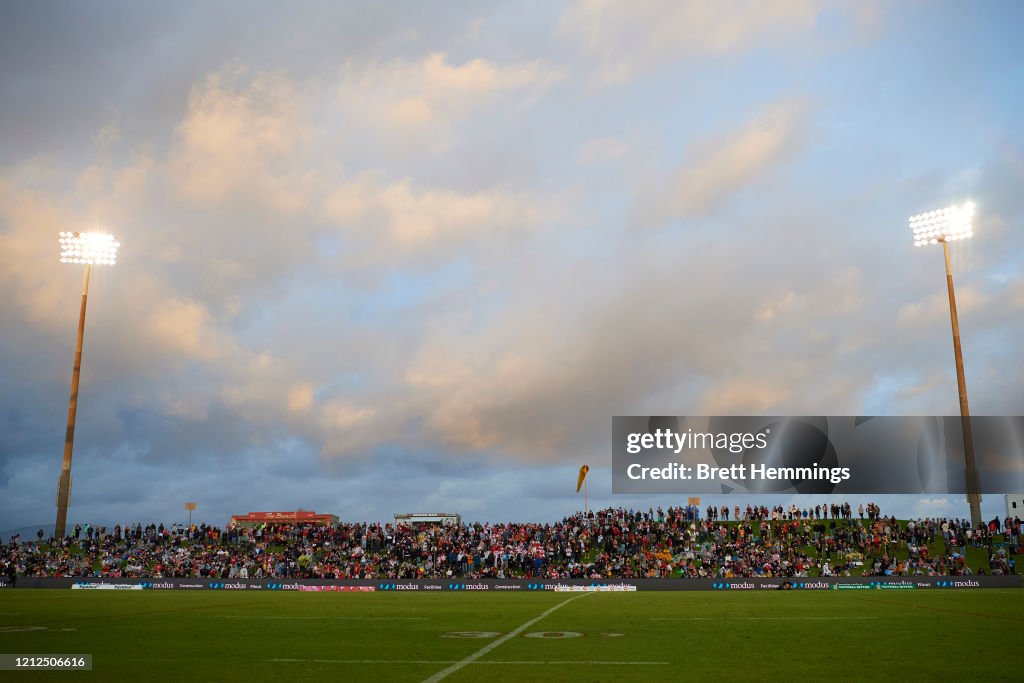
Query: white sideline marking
257, 616
758, 618
21, 629
589, 662
440, 675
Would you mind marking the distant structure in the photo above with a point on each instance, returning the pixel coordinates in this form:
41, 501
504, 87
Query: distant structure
284, 518
417, 518
1015, 505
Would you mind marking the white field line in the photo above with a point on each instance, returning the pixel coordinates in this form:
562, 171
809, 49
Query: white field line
758, 618
22, 629
591, 662
256, 616
440, 675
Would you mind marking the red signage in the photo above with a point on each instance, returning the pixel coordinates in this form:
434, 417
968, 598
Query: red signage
267, 516
285, 517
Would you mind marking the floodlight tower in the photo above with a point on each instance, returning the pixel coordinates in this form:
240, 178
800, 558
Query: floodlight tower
943, 226
86, 248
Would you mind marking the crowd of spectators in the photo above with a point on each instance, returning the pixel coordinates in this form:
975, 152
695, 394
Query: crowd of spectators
831, 540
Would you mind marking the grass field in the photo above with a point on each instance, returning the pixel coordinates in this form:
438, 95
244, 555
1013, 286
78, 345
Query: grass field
804, 636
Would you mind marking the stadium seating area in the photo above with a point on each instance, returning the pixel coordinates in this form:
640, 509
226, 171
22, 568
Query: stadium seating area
610, 543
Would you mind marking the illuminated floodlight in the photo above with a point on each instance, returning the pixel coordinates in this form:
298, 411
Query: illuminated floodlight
943, 225
88, 248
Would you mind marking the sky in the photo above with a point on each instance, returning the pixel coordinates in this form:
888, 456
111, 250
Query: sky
385, 257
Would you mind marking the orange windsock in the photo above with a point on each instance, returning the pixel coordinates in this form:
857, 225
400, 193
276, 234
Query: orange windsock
583, 475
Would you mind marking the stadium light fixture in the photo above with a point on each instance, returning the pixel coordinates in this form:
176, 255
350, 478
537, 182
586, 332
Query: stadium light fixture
943, 226
88, 249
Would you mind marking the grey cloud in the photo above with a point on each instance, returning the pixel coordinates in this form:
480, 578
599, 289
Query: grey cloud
120, 61
719, 166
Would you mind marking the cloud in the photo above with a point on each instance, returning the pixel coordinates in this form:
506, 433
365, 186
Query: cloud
624, 40
745, 395
719, 166
933, 382
268, 148
420, 101
838, 294
969, 298
602, 151
182, 327
1016, 299
242, 140
256, 194
541, 380
28, 253
300, 398
406, 218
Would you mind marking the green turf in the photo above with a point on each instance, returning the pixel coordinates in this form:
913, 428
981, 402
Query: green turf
204, 636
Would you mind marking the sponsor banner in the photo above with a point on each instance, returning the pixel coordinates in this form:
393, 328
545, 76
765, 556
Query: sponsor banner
961, 582
478, 586
526, 585
301, 515
813, 455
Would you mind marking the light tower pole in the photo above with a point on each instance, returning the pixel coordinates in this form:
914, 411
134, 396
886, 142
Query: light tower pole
941, 227
86, 248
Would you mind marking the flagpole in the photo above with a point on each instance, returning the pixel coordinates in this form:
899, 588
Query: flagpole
586, 508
